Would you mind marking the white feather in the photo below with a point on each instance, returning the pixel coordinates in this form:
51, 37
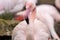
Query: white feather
47, 14
37, 30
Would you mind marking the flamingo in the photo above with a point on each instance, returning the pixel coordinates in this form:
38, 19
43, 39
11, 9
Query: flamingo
52, 11
57, 3
35, 30
13, 6
47, 14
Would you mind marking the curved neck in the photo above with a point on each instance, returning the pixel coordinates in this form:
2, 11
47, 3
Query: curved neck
32, 15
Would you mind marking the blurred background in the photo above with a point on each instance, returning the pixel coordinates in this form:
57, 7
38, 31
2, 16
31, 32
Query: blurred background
7, 23
46, 1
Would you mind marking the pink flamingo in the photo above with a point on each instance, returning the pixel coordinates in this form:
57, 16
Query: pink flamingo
47, 14
35, 30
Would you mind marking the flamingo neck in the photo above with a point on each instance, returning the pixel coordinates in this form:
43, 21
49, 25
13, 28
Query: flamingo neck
32, 16
27, 13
